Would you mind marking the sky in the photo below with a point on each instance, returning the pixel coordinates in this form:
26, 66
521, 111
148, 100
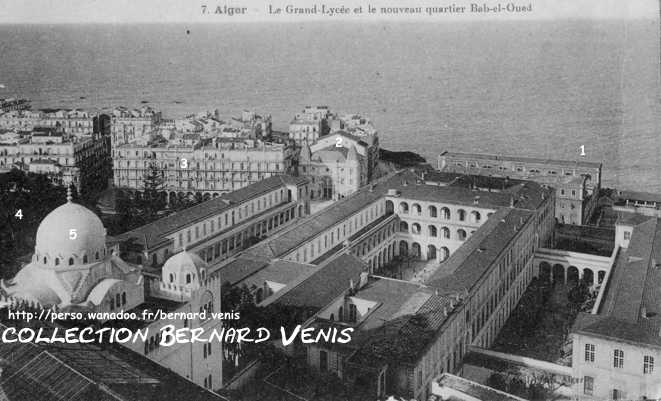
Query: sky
190, 11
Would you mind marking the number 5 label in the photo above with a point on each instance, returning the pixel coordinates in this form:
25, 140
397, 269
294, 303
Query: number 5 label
73, 234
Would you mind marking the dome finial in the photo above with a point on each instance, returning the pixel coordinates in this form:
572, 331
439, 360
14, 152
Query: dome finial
69, 195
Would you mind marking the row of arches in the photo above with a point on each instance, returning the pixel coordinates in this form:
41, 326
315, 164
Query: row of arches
415, 250
432, 211
433, 231
561, 274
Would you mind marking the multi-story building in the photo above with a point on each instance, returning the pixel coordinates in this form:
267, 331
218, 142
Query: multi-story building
248, 125
127, 125
645, 203
220, 227
13, 104
309, 125
617, 346
486, 267
191, 164
354, 124
338, 164
82, 161
577, 183
74, 122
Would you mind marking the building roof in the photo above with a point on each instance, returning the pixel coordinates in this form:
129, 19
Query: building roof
90, 371
457, 388
154, 234
639, 196
404, 310
464, 268
630, 309
525, 195
325, 284
486, 156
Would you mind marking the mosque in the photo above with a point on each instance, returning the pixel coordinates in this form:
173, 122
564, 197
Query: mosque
75, 268
72, 267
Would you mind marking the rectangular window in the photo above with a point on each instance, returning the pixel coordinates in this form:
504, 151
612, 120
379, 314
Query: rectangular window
589, 352
627, 235
648, 364
323, 360
588, 385
353, 312
618, 358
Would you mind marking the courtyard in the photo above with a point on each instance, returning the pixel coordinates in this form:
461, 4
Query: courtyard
540, 324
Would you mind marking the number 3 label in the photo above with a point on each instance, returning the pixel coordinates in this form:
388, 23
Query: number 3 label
73, 234
183, 163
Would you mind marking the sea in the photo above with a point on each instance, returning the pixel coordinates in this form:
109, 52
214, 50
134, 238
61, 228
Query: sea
522, 88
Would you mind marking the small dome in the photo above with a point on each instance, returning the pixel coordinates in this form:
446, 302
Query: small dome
71, 231
184, 268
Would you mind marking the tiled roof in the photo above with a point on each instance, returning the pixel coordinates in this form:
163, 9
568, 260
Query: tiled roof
326, 284
280, 271
631, 307
466, 265
485, 156
404, 311
155, 233
526, 195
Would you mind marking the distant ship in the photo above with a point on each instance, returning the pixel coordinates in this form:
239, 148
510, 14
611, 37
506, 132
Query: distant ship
144, 102
2, 86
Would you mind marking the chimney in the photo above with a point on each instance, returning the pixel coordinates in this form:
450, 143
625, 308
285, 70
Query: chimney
404, 183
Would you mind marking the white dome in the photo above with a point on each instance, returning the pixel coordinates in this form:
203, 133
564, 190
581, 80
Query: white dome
70, 231
184, 269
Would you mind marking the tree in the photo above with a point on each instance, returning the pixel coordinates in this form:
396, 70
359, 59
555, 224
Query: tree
152, 200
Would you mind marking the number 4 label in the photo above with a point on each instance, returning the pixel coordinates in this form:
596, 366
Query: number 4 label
19, 214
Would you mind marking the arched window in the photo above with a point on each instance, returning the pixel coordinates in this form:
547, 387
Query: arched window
57, 261
45, 260
70, 261
445, 213
117, 300
171, 277
85, 259
188, 279
332, 317
433, 232
123, 298
445, 232
403, 207
417, 209
461, 234
415, 228
432, 211
96, 256
462, 214
403, 226
476, 217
